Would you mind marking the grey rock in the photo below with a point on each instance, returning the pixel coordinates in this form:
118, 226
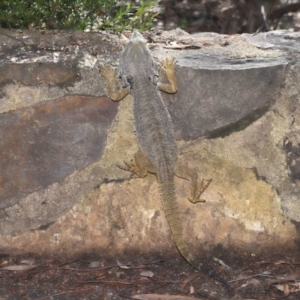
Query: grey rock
222, 95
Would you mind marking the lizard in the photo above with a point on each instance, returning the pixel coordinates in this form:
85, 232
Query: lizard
154, 130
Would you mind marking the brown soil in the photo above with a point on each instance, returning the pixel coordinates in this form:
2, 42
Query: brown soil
92, 277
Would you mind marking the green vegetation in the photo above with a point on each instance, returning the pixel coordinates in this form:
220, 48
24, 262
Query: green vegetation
77, 14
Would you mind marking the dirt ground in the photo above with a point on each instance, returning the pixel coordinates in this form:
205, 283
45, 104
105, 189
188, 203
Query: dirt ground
29, 276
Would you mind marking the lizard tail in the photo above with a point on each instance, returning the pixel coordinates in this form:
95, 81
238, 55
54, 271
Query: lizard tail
170, 206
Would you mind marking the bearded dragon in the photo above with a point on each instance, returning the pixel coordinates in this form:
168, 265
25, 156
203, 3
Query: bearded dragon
155, 134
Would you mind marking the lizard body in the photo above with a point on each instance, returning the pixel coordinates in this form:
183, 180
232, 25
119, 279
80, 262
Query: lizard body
155, 133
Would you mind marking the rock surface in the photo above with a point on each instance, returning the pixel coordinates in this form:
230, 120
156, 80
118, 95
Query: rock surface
236, 116
46, 142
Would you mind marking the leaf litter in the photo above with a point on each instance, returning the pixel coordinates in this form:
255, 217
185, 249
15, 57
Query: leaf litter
29, 276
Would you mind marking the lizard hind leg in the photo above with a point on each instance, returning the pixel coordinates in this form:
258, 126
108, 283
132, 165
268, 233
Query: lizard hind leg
139, 166
196, 187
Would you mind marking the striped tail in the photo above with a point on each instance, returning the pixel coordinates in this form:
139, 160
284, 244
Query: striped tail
170, 206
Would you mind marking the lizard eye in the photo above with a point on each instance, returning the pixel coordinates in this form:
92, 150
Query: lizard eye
130, 80
127, 80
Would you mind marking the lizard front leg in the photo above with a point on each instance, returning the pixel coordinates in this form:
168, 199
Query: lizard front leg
115, 93
196, 187
168, 67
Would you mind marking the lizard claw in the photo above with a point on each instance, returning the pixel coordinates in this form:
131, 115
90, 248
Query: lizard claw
134, 168
127, 167
169, 65
201, 187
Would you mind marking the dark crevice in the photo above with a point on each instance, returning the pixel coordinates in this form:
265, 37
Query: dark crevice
240, 124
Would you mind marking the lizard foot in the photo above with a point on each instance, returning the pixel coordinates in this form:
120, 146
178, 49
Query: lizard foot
196, 187
139, 166
194, 196
134, 168
169, 65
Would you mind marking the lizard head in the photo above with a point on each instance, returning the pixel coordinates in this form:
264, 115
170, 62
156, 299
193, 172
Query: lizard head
136, 58
137, 37
136, 49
